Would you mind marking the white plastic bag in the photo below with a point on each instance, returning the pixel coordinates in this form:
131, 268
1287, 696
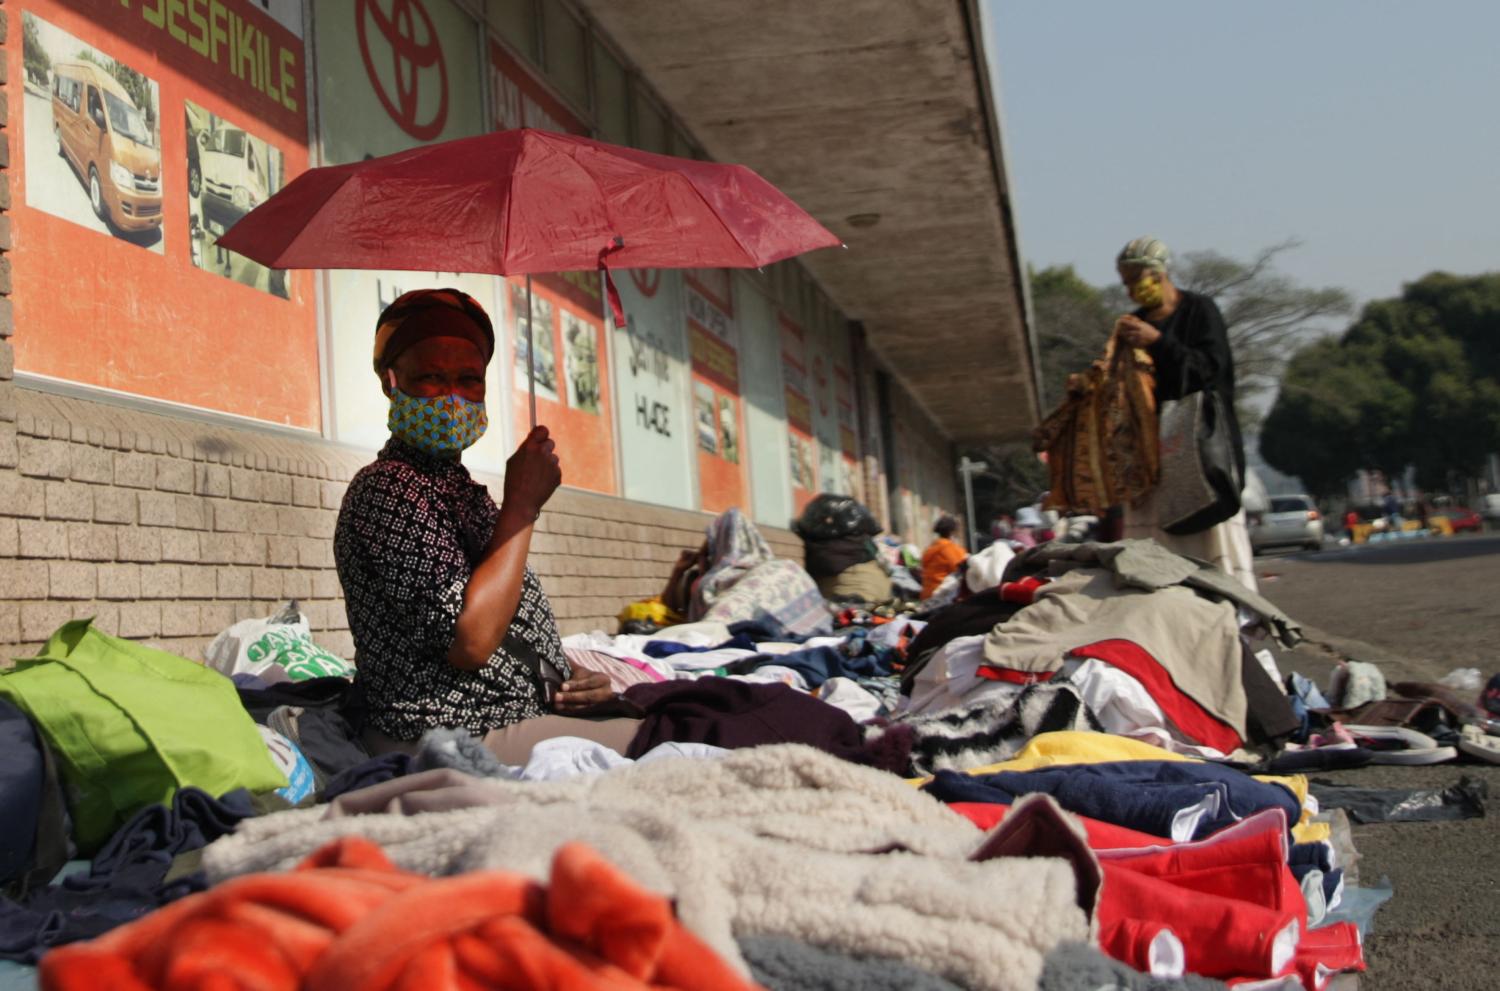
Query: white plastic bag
1463, 679
277, 648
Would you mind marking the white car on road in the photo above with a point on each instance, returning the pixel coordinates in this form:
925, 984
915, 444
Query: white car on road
1288, 521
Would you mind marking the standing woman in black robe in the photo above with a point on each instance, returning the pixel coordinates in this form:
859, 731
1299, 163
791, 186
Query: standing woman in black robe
1184, 333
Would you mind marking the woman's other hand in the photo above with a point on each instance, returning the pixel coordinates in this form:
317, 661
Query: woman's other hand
586, 688
532, 474
1136, 332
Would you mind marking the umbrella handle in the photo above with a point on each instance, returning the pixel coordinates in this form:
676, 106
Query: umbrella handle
530, 354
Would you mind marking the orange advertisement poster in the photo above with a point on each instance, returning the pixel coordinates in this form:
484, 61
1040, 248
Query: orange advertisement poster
843, 381
571, 366
148, 129
799, 416
717, 417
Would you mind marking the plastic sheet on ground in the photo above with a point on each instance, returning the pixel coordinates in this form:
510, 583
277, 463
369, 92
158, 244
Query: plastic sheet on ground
1465, 800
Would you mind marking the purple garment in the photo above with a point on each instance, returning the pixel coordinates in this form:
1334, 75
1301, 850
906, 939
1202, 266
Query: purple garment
736, 714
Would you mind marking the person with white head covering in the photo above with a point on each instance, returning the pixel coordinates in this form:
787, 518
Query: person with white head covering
1185, 335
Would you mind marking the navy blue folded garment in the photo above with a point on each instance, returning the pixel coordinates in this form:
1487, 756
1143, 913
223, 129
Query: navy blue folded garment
1305, 857
765, 628
1146, 795
660, 649
21, 779
816, 664
376, 770
127, 878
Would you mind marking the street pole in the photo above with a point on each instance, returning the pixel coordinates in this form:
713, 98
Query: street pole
968, 469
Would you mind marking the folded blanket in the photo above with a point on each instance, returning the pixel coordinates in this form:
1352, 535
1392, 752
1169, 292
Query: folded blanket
347, 920
767, 841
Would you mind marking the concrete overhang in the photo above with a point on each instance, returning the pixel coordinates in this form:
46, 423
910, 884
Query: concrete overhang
870, 107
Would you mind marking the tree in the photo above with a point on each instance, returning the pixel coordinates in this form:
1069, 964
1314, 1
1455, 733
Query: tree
1073, 320
33, 56
1413, 382
1267, 315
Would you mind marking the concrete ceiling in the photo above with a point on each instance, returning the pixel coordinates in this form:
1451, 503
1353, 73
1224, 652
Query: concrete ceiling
868, 107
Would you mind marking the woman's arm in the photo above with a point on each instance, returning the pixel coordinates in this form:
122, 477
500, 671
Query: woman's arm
532, 474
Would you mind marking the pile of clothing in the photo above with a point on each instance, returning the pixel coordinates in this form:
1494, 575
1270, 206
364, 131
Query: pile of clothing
816, 796
839, 551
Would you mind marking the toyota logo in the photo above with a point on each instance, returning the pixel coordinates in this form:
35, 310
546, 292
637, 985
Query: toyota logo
408, 30
647, 280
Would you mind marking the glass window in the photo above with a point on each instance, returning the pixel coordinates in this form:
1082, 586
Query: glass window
516, 22
566, 52
650, 125
611, 97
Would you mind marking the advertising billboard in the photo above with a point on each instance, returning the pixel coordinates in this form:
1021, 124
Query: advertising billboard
392, 74
125, 111
713, 343
803, 455
652, 377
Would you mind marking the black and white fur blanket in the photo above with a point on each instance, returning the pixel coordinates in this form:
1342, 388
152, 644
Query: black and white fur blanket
960, 739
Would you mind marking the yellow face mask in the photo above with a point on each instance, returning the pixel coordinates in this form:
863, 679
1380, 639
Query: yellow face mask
1147, 291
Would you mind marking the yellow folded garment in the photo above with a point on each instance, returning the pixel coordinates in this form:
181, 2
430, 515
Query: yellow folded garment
1077, 747
1312, 832
651, 610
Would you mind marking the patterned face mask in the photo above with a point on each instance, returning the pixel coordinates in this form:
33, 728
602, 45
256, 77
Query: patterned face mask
439, 425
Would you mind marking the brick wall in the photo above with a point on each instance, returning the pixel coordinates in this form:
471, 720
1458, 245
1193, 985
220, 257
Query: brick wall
167, 530
10, 614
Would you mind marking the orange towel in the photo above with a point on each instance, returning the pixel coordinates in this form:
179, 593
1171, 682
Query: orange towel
347, 920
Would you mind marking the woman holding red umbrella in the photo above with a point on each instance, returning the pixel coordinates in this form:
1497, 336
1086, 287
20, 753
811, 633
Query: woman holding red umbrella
451, 628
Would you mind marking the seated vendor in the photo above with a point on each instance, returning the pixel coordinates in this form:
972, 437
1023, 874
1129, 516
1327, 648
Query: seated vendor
451, 627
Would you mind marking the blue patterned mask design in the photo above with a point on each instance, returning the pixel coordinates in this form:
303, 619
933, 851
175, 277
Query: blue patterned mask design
438, 425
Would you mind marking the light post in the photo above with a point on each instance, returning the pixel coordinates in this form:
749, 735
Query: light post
968, 469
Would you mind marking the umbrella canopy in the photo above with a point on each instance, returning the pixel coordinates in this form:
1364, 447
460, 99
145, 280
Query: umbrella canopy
523, 202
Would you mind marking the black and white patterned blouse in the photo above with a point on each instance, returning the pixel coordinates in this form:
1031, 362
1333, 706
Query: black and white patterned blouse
410, 532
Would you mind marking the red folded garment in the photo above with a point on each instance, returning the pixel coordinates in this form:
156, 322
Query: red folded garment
1102, 835
1022, 592
1225, 906
1186, 713
347, 920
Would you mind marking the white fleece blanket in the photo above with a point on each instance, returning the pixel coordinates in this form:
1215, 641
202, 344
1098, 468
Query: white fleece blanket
781, 840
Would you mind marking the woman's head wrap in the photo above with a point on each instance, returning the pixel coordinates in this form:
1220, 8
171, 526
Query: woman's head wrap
424, 313
1144, 252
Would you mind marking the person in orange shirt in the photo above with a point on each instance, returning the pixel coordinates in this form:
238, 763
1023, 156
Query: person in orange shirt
942, 557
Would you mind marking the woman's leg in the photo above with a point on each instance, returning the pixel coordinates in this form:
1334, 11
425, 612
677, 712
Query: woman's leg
512, 744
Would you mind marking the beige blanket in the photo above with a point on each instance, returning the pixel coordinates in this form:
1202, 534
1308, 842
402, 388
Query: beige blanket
1195, 640
778, 840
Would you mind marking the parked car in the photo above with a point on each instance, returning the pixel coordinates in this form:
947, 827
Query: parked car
1462, 519
103, 134
1289, 521
1491, 508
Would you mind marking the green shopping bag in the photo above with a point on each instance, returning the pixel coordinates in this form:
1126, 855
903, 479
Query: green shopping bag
130, 725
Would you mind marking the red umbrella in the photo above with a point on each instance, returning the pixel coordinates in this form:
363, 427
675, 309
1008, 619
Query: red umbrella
525, 201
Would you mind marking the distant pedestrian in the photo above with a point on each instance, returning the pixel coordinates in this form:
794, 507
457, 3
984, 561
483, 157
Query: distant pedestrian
1392, 507
942, 557
1185, 335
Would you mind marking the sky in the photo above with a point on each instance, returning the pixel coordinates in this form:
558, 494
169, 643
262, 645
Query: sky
1367, 129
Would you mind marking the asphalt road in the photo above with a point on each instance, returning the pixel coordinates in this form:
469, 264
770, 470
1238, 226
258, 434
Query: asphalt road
1418, 610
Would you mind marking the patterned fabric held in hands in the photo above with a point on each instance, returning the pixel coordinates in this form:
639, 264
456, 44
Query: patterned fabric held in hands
1101, 443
